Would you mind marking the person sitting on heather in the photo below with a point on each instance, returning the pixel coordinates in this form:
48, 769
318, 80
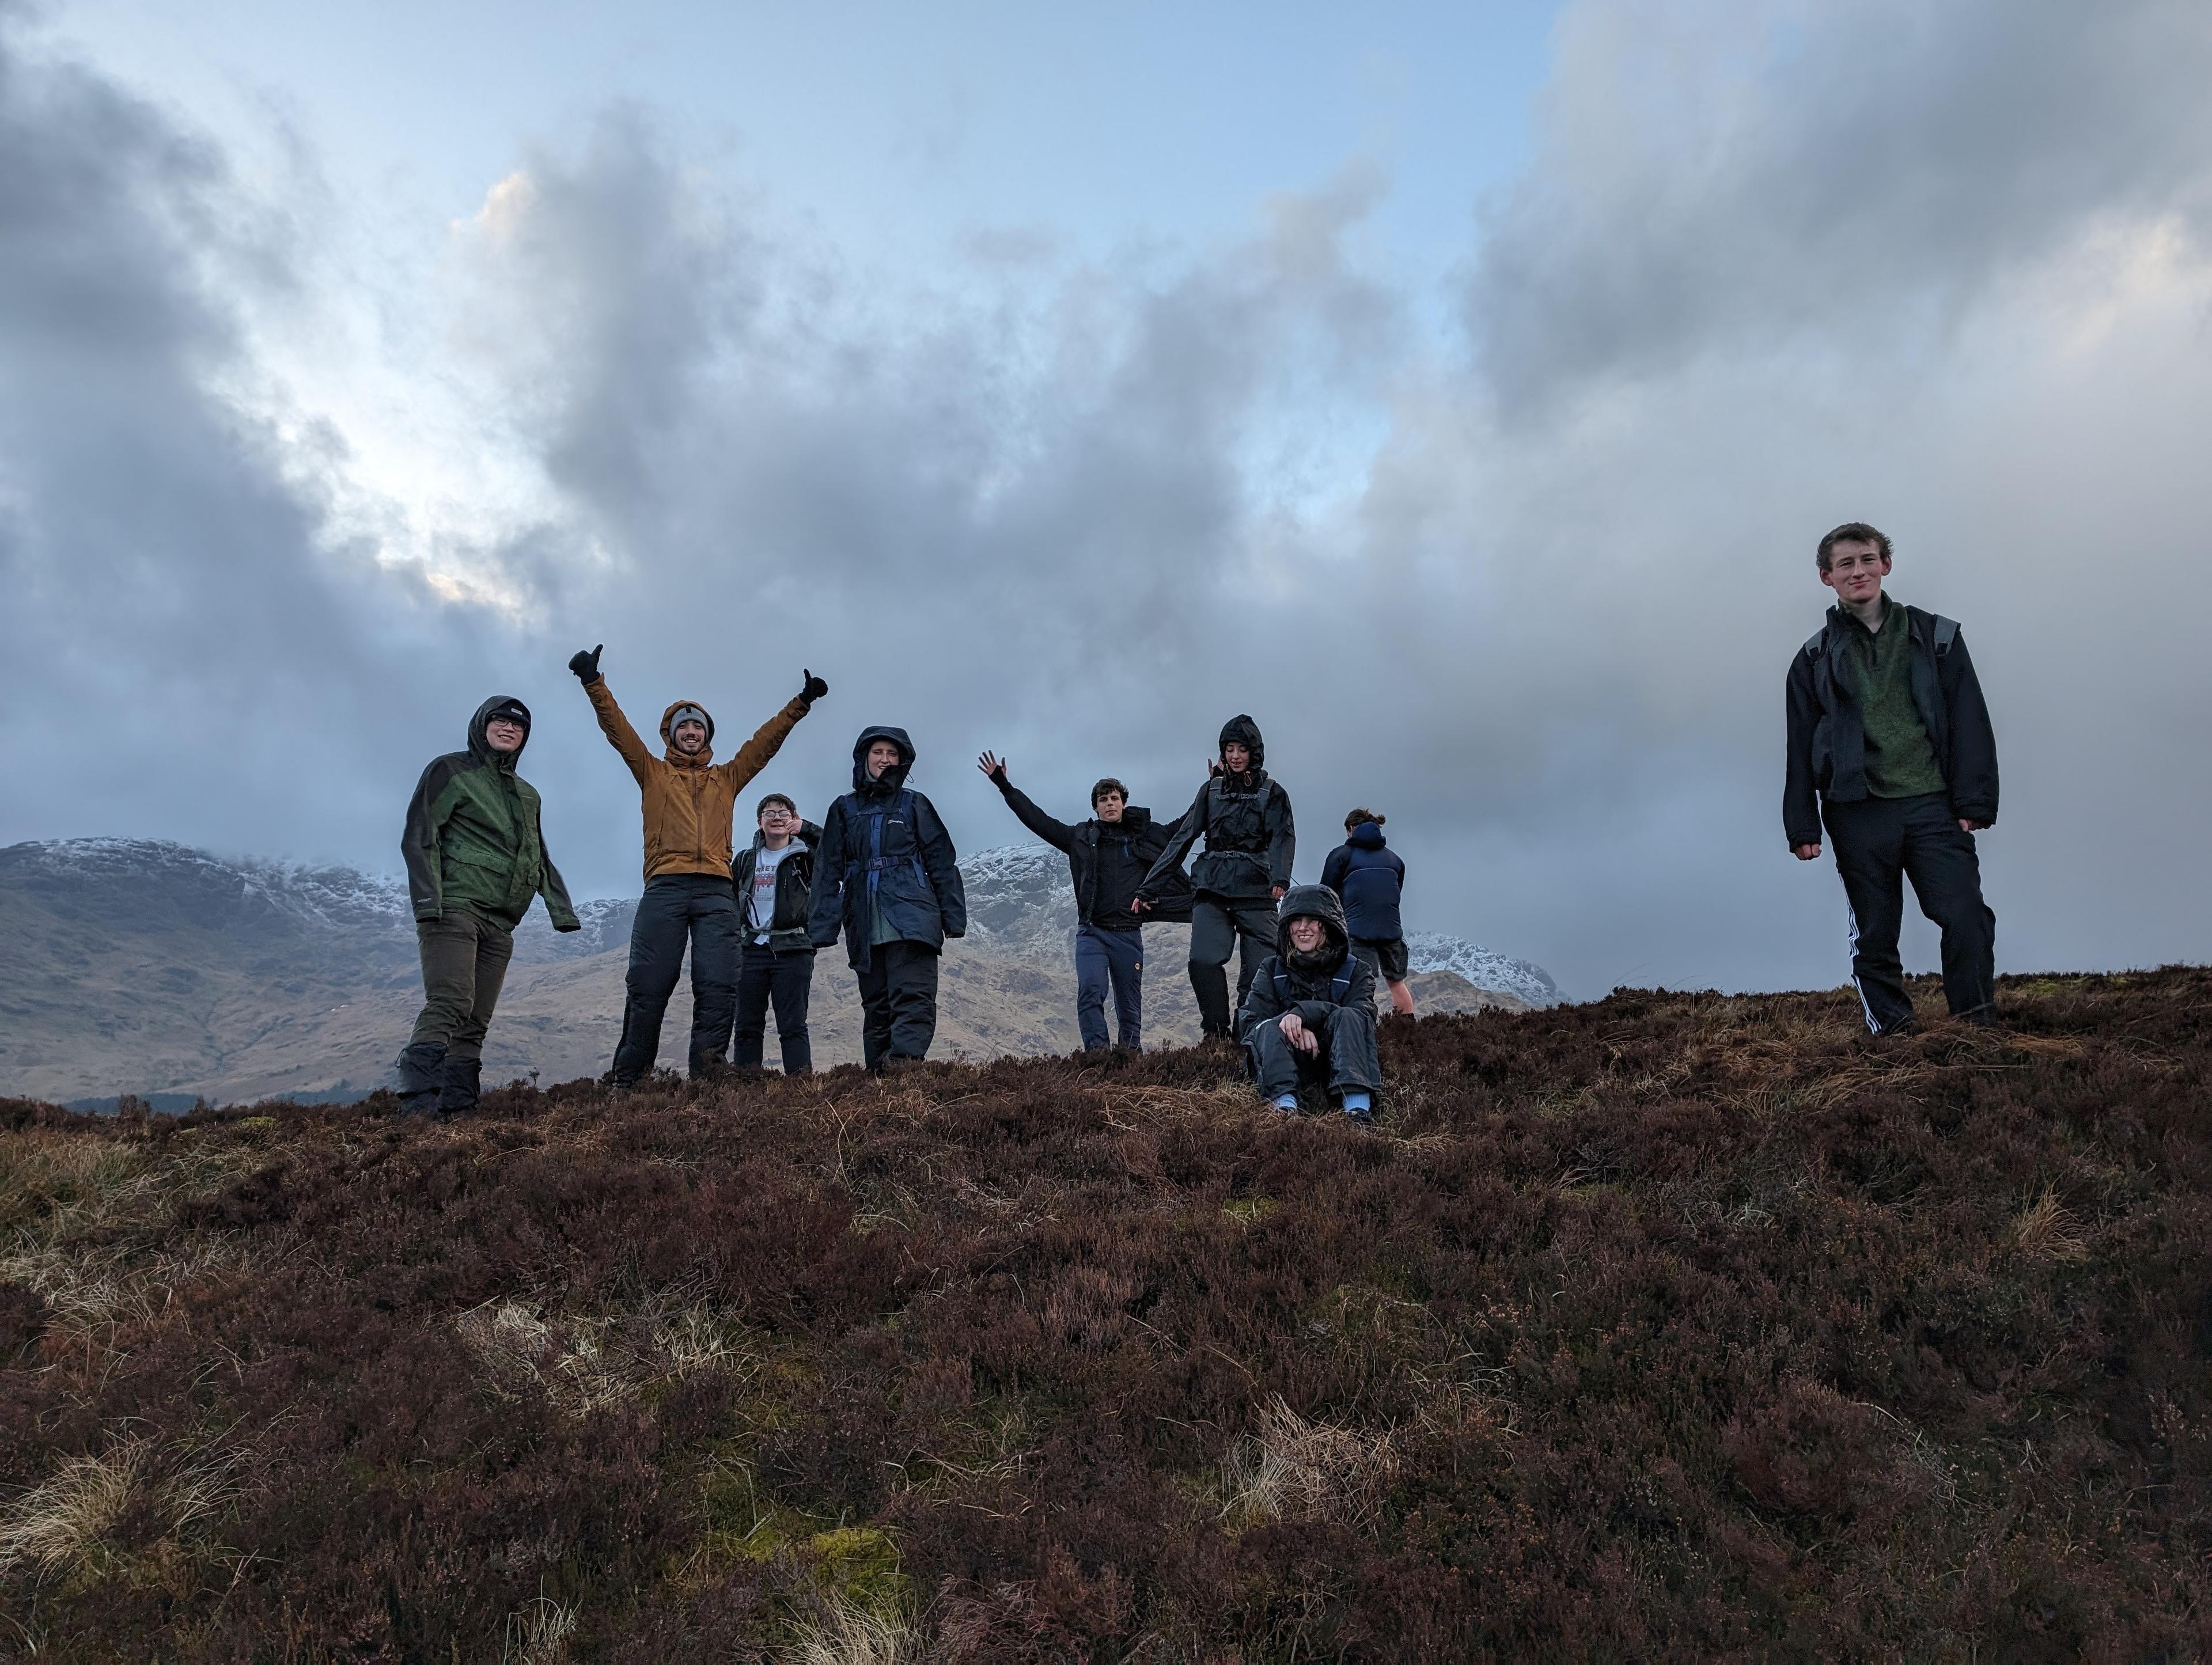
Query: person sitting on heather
1370, 880
1309, 1018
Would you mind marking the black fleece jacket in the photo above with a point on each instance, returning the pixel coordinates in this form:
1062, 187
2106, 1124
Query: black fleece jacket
1827, 739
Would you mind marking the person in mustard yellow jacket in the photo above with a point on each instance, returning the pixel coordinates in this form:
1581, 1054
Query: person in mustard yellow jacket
688, 801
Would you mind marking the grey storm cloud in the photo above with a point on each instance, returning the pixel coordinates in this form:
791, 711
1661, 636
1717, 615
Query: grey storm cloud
1533, 599
1744, 174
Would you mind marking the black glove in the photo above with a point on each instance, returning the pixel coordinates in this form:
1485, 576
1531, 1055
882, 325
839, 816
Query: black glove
815, 689
587, 666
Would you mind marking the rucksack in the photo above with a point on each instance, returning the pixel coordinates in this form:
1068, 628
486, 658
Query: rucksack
1946, 633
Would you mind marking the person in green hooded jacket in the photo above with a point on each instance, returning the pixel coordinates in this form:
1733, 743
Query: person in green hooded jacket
476, 858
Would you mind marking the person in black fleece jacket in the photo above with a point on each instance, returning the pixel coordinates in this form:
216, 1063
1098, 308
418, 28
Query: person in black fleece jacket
1108, 858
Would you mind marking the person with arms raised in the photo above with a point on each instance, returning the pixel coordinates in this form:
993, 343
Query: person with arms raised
476, 855
1890, 746
688, 801
1109, 856
886, 875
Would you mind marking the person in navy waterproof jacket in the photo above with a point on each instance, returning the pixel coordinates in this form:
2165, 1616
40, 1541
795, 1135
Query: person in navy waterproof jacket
886, 874
1369, 878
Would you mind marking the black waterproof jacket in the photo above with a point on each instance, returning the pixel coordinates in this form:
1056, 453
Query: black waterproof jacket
1250, 840
794, 889
1827, 737
1370, 879
1280, 986
884, 848
1079, 844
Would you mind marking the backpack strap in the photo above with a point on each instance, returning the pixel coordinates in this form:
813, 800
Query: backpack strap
1811, 647
1946, 632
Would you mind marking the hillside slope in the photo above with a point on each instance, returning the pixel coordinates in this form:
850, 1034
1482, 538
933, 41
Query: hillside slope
1670, 1327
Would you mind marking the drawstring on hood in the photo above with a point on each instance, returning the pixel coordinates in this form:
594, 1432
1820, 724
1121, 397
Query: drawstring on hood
892, 778
499, 705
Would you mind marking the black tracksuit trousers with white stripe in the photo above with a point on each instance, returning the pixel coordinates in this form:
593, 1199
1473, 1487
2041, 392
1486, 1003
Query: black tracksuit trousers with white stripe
1879, 843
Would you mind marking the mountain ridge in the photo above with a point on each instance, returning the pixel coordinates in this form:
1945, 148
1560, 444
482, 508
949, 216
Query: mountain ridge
148, 967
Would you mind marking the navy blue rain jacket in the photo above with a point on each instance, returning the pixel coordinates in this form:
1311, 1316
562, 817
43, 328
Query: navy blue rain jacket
1369, 878
883, 847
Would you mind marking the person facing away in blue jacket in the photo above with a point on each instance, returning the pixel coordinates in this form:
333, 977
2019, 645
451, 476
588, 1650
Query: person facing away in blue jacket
1369, 878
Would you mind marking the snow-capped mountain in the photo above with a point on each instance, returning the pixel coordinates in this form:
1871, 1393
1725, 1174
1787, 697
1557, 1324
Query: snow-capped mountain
1020, 904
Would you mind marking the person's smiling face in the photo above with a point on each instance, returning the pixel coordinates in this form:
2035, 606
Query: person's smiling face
1855, 571
1306, 934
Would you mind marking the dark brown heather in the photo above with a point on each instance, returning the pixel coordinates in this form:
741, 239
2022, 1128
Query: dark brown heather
1673, 1327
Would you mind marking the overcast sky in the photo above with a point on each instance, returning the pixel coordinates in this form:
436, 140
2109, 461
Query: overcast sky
1459, 390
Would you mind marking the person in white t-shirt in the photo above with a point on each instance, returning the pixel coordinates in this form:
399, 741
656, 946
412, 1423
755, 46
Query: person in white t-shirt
774, 880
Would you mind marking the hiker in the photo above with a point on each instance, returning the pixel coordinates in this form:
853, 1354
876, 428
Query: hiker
1310, 1020
1369, 879
1890, 746
687, 800
1250, 842
476, 855
1109, 857
885, 873
774, 881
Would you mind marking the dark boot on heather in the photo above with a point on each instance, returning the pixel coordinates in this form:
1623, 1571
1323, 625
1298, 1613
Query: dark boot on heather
457, 1082
419, 1066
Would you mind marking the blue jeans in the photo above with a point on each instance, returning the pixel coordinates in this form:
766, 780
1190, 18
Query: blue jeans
1106, 959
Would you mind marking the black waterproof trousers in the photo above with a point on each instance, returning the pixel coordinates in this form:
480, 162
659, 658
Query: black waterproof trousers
465, 963
786, 980
1347, 1059
680, 909
1110, 960
1879, 843
898, 1003
1217, 927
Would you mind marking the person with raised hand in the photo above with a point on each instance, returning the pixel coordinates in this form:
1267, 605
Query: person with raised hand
1109, 856
1890, 746
688, 801
774, 880
476, 856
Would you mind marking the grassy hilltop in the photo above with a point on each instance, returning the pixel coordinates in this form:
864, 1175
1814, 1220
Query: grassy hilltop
1669, 1327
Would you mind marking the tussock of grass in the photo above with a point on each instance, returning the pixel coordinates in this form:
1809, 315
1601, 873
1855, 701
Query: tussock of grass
1671, 1326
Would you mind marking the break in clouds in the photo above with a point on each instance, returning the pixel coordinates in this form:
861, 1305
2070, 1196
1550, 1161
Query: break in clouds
1529, 588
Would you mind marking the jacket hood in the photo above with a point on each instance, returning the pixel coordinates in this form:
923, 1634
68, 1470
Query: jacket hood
892, 778
1310, 901
480, 741
1367, 836
1246, 732
698, 759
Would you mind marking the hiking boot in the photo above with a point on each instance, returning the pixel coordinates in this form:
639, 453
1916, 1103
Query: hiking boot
458, 1080
419, 1078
